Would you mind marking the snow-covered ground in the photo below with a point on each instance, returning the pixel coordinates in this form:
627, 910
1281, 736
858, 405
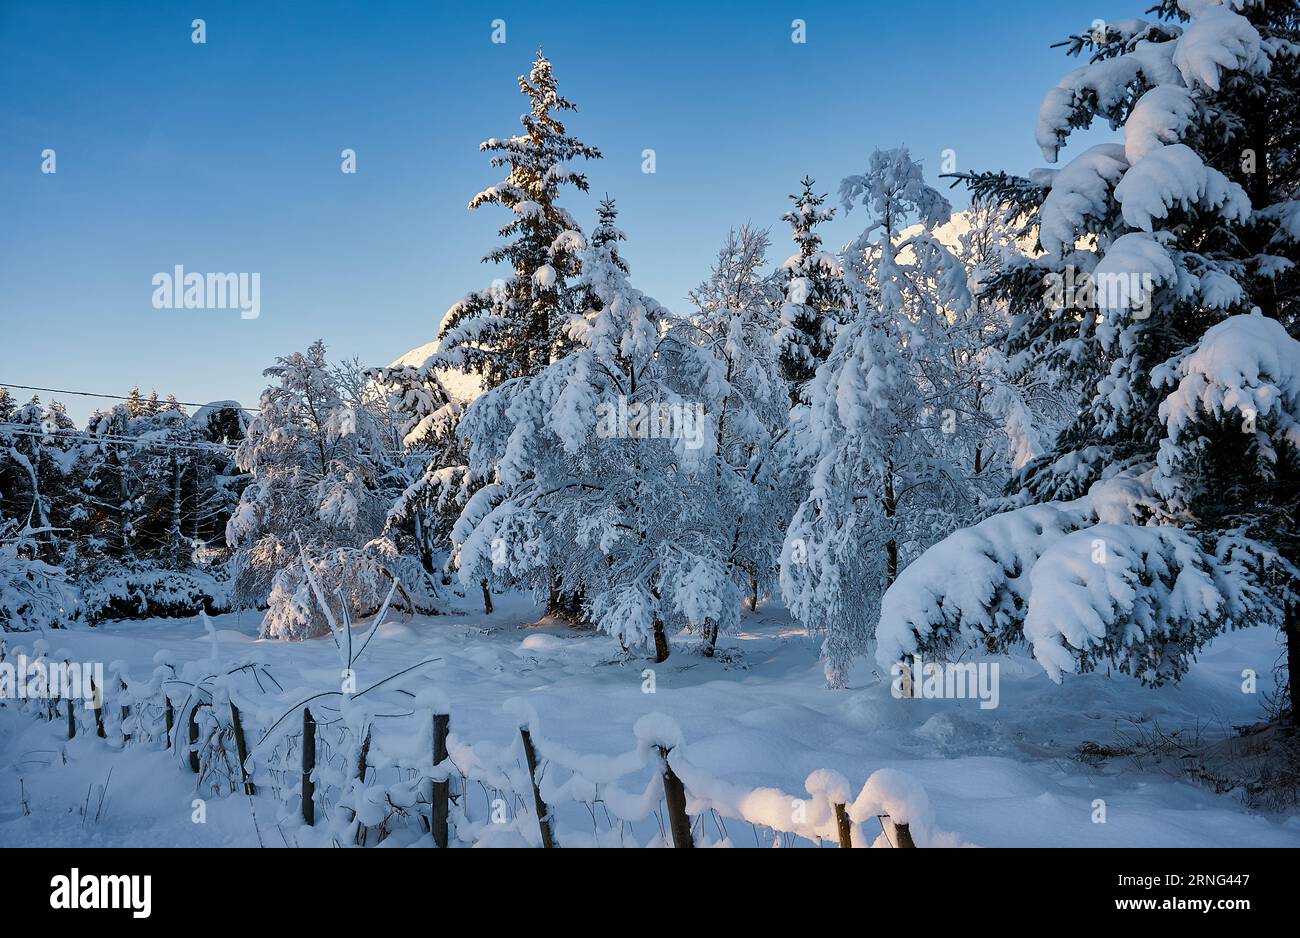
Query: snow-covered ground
758, 715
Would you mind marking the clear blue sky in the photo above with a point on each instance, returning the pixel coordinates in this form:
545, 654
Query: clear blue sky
225, 156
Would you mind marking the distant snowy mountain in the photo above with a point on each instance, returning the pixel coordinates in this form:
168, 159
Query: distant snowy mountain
463, 387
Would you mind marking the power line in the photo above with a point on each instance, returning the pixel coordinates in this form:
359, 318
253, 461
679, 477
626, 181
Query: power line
23, 429
115, 397
139, 442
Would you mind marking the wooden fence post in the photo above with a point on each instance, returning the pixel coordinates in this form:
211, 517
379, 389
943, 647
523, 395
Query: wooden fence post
194, 737
72, 714
241, 749
308, 765
903, 836
97, 695
169, 715
125, 712
442, 789
543, 812
363, 753
679, 821
844, 825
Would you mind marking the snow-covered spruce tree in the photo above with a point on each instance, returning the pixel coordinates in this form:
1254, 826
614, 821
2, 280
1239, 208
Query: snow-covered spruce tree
515, 327
1135, 545
219, 483
36, 469
429, 475
607, 234
880, 437
314, 455
602, 470
814, 292
38, 474
744, 392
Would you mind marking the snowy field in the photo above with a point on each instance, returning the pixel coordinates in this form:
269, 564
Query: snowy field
758, 715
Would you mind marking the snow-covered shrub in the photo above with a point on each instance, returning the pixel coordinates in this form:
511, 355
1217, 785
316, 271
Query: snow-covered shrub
34, 595
146, 591
357, 578
314, 452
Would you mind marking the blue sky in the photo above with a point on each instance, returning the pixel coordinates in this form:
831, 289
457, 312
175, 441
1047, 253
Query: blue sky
225, 156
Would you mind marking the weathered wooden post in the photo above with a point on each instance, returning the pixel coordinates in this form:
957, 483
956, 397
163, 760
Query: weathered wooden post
52, 704
844, 825
543, 812
97, 694
903, 836
308, 766
194, 737
71, 704
679, 822
125, 712
363, 753
441, 789
241, 749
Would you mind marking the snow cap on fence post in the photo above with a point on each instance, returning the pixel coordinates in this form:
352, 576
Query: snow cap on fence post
523, 711
657, 729
829, 784
896, 794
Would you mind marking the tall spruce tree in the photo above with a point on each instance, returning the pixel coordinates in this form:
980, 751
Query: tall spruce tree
814, 292
514, 328
608, 234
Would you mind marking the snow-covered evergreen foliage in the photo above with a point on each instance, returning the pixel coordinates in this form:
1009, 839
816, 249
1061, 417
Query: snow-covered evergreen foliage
517, 326
814, 291
1181, 338
316, 452
34, 595
882, 434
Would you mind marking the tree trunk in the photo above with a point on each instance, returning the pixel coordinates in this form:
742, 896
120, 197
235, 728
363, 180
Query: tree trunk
422, 539
174, 532
710, 639
487, 597
661, 642
891, 549
1292, 629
